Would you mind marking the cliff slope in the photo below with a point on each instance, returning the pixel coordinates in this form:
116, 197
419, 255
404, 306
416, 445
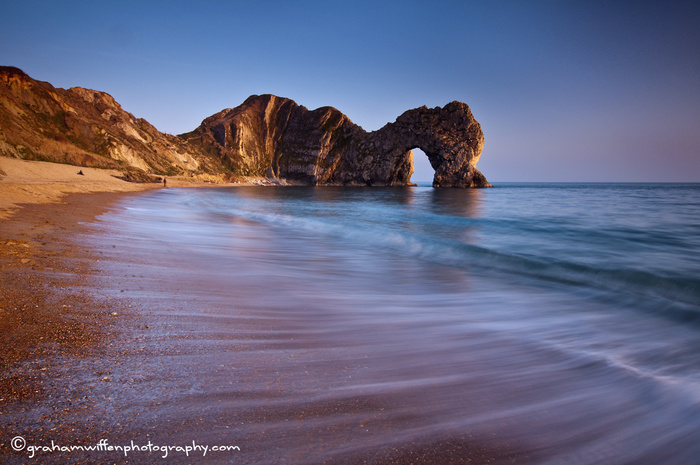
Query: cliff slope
84, 127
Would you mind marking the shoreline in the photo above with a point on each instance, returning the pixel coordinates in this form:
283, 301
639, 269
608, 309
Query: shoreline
24, 182
113, 331
52, 322
42, 205
46, 310
47, 315
34, 244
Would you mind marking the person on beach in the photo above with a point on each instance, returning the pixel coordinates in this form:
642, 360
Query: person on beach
165, 182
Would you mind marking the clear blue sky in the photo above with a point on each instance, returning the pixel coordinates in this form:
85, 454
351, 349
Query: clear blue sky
564, 90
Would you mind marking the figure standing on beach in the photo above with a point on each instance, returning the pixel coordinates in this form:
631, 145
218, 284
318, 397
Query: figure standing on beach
165, 182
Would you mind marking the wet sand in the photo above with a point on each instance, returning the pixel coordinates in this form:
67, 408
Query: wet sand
40, 208
80, 365
47, 314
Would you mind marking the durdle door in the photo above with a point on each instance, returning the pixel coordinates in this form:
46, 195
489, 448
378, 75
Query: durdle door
273, 136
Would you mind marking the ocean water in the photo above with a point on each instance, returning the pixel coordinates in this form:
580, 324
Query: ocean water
546, 323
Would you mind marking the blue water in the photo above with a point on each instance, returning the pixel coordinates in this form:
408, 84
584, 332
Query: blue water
562, 320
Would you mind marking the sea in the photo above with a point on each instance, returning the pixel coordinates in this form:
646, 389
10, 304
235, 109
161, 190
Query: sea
543, 323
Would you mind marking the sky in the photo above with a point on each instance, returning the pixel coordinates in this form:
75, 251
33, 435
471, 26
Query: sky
591, 91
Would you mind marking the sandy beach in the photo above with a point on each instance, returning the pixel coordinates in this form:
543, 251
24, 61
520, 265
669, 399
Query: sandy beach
37, 182
46, 314
41, 205
42, 318
38, 206
65, 353
62, 348
325, 326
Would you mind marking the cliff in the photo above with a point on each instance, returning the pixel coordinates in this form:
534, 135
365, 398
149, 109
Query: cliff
274, 137
84, 127
266, 136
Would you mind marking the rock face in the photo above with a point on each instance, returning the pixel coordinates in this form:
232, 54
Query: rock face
274, 137
83, 127
266, 136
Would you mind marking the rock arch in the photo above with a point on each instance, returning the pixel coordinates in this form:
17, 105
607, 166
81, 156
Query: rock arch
273, 136
451, 138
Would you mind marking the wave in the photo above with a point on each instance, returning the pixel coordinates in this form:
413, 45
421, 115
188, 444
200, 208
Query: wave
647, 268
392, 232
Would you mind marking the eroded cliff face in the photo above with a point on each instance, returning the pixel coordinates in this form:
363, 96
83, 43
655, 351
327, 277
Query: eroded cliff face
266, 136
271, 136
83, 127
274, 137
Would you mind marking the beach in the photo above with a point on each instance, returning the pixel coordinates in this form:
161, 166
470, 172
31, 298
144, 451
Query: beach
62, 348
328, 325
47, 312
41, 205
43, 320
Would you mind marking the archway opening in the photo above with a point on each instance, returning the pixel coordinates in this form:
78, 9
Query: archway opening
423, 172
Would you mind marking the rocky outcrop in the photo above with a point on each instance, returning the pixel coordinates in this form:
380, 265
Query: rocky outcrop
266, 136
274, 137
83, 127
450, 136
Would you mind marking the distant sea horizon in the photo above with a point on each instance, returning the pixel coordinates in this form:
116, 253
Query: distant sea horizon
507, 183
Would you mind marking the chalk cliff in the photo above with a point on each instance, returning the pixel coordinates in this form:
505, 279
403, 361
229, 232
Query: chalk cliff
274, 137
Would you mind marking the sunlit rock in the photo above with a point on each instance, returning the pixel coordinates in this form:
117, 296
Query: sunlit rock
274, 137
